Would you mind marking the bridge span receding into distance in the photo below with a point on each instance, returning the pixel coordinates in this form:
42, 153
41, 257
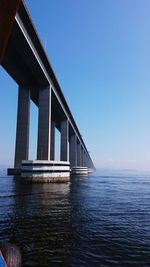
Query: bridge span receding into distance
27, 63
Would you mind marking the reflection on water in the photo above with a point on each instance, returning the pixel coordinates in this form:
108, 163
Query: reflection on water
91, 221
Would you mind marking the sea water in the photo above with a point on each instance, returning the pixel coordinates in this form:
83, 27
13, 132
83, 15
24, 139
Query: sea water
96, 220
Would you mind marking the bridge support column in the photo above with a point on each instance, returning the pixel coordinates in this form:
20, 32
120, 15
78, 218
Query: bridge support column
86, 162
44, 124
64, 140
73, 151
79, 154
83, 157
52, 140
22, 133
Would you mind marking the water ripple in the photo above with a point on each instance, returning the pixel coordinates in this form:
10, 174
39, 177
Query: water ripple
92, 221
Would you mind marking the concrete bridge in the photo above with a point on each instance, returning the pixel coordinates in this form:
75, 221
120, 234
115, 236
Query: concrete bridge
27, 63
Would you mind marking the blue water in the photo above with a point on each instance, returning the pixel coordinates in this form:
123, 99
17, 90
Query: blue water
92, 221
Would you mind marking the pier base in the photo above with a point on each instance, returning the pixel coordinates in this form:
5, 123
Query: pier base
90, 170
43, 171
78, 170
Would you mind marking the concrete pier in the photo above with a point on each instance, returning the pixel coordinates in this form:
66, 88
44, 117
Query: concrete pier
22, 132
79, 171
79, 163
44, 124
73, 151
82, 162
52, 154
64, 140
40, 171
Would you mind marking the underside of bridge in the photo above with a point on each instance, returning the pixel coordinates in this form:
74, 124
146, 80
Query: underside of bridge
27, 63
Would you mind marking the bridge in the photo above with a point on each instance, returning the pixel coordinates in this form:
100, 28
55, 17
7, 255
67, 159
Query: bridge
27, 63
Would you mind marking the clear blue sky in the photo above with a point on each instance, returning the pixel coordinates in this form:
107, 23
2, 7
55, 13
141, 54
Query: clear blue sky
100, 52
